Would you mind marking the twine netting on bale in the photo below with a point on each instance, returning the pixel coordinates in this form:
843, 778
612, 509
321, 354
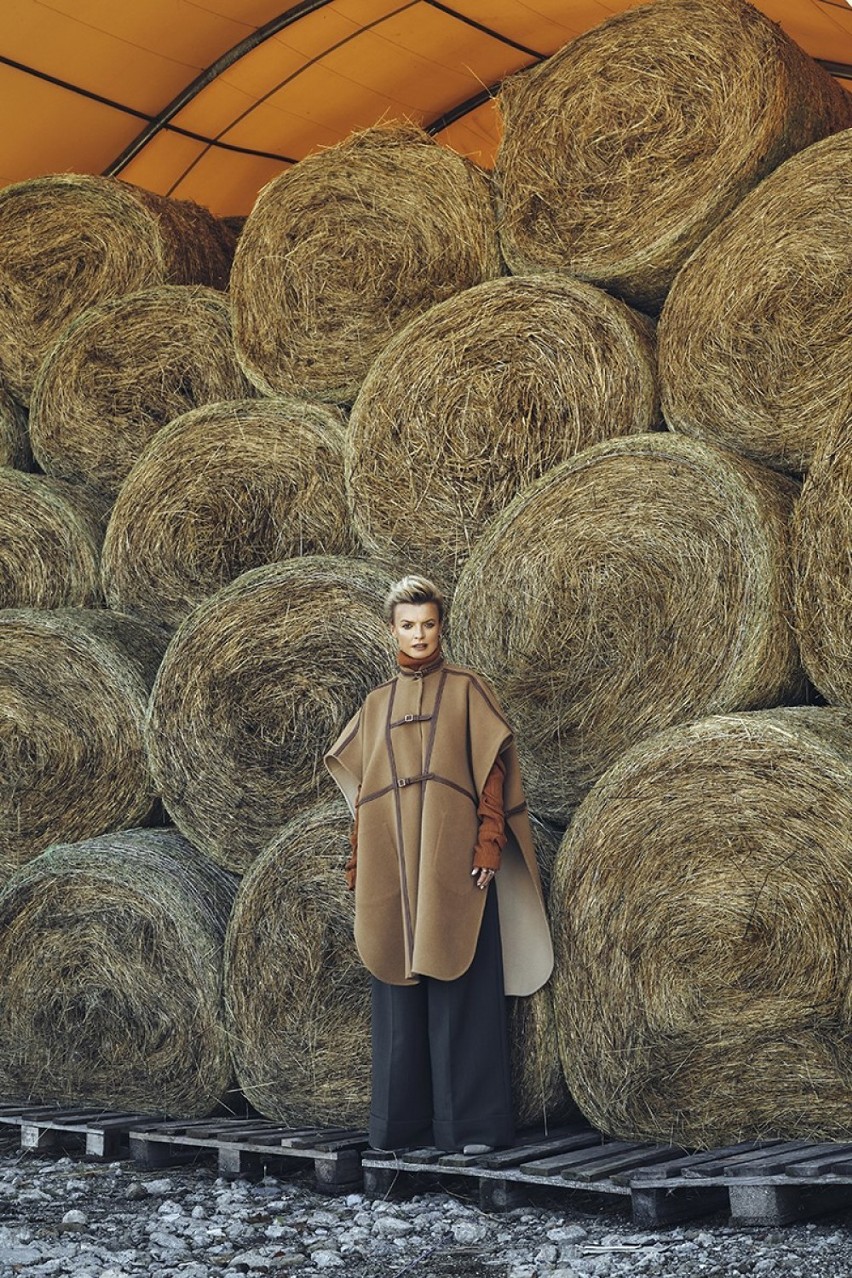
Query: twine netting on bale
257, 683
822, 548
296, 994
764, 366
342, 250
14, 438
480, 396
539, 1092
111, 953
221, 490
625, 148
700, 910
74, 687
123, 370
69, 241
51, 534
643, 583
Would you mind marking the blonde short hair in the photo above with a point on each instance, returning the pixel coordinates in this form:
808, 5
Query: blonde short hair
413, 590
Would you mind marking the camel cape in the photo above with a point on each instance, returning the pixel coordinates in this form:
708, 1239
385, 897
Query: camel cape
415, 758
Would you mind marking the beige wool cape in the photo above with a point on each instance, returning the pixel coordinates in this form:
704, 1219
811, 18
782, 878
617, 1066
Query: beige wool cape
415, 758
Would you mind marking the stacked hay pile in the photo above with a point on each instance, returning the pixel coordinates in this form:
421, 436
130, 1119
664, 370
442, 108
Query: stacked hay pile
613, 581
51, 534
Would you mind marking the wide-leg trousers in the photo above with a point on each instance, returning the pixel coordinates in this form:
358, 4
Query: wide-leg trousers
441, 1068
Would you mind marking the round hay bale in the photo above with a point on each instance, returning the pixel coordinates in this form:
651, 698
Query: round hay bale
74, 687
623, 150
111, 954
764, 367
123, 370
540, 1095
14, 438
254, 687
342, 250
480, 396
822, 538
71, 240
221, 490
643, 583
296, 993
700, 910
51, 533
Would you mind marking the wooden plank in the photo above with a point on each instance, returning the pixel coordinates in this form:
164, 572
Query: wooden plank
505, 1158
836, 1162
606, 1166
673, 1167
566, 1163
723, 1163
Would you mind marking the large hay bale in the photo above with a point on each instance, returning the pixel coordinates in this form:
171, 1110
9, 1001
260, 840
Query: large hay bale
700, 910
74, 686
221, 490
71, 240
625, 148
254, 687
755, 341
14, 437
480, 396
822, 546
643, 583
111, 954
296, 993
342, 250
121, 371
51, 533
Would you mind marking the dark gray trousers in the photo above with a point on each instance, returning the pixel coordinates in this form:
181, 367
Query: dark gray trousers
441, 1069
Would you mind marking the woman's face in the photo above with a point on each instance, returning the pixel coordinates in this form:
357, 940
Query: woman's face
416, 629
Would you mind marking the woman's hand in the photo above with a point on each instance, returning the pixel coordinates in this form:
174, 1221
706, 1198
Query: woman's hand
483, 877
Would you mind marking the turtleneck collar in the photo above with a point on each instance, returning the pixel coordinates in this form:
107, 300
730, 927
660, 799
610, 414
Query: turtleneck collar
419, 665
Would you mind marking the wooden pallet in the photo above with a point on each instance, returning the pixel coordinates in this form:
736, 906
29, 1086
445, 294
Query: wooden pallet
97, 1132
255, 1146
757, 1183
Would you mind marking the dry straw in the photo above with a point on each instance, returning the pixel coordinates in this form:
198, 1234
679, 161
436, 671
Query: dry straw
254, 687
71, 240
624, 149
14, 438
480, 396
643, 583
755, 342
700, 910
223, 489
822, 544
123, 370
297, 996
341, 251
111, 953
74, 687
51, 535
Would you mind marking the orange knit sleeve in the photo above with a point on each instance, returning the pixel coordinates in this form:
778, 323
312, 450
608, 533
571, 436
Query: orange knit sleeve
350, 869
492, 823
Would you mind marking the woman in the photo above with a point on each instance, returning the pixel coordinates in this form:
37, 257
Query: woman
429, 768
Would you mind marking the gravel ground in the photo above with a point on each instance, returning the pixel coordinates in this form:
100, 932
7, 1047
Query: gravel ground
64, 1216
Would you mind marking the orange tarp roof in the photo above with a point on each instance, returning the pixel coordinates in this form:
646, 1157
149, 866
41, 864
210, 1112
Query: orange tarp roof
209, 99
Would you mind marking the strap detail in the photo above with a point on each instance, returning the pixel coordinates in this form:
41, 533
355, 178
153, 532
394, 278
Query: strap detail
410, 718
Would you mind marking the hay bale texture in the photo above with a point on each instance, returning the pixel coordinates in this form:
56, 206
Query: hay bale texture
623, 150
297, 995
755, 341
111, 953
254, 687
822, 544
480, 396
220, 490
14, 437
700, 911
51, 534
74, 687
643, 583
123, 370
342, 250
71, 240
